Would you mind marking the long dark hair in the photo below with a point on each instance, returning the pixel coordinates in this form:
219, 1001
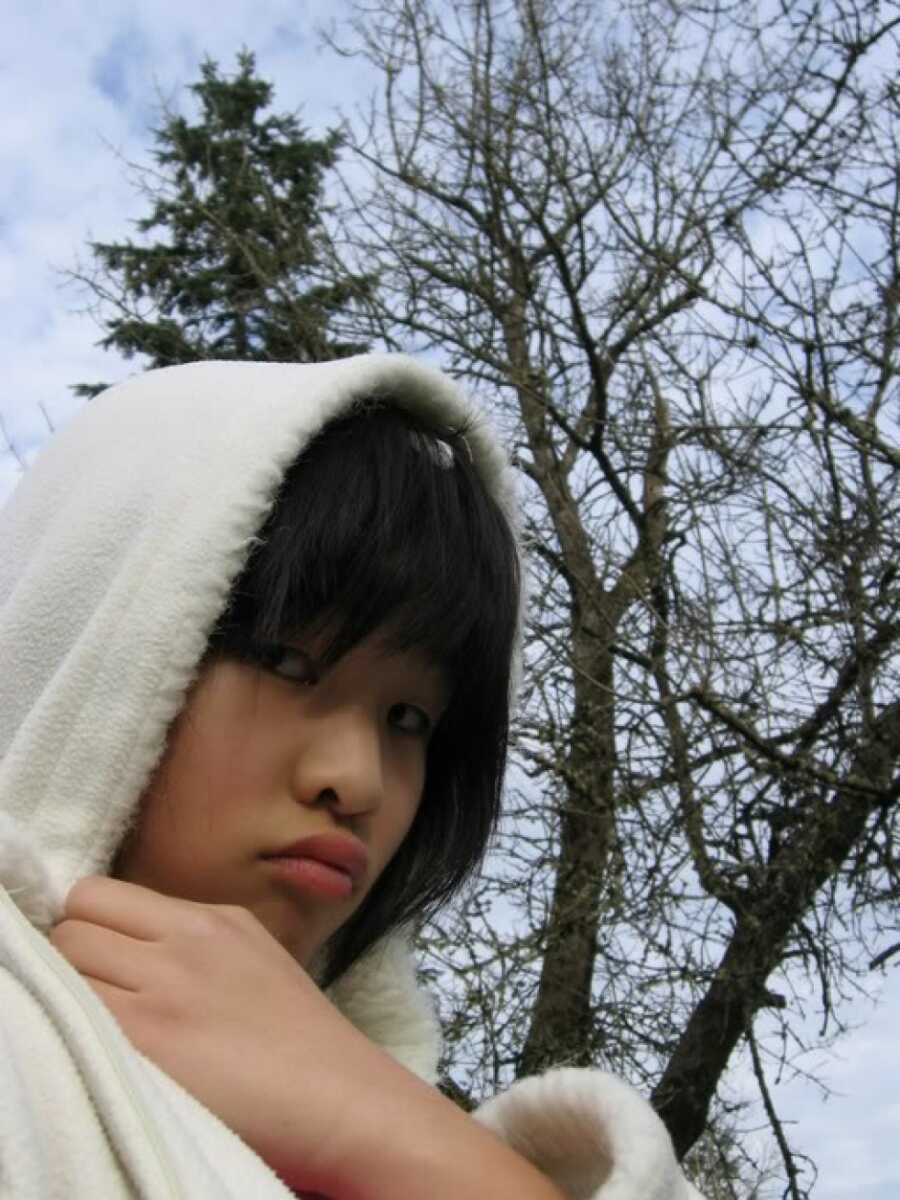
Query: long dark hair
383, 524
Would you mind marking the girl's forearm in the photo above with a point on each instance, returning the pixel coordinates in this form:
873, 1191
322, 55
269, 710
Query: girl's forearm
422, 1145
403, 1140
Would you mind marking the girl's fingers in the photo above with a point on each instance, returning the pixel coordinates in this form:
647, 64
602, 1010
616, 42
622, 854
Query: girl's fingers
102, 954
127, 907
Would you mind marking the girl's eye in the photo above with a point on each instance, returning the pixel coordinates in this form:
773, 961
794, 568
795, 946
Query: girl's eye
410, 719
289, 663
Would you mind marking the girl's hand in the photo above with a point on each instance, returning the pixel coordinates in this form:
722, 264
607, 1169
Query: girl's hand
206, 993
214, 1000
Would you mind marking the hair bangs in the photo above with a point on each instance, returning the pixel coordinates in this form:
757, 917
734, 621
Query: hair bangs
382, 527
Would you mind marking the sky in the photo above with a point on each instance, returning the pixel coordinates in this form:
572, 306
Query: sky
80, 83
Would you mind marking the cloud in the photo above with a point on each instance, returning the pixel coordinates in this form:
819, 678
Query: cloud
115, 69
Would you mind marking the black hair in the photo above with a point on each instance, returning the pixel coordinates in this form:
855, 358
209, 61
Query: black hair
383, 524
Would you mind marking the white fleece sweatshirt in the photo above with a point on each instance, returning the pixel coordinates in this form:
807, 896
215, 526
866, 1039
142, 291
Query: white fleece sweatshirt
117, 553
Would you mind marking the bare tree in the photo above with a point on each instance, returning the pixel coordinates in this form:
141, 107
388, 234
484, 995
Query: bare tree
661, 237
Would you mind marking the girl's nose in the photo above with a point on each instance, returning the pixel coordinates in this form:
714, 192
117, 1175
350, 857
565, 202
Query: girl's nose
339, 764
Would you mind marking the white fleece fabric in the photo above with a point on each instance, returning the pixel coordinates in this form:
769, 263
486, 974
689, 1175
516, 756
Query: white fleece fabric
117, 552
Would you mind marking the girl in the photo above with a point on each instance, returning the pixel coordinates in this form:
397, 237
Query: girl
257, 630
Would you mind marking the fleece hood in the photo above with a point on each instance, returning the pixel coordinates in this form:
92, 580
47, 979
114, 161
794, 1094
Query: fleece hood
119, 548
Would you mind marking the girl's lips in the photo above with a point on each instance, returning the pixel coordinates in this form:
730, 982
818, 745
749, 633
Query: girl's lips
311, 875
330, 863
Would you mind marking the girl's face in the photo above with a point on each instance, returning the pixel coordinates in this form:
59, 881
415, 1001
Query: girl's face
261, 759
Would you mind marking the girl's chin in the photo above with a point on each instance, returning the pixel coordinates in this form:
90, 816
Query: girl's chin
298, 938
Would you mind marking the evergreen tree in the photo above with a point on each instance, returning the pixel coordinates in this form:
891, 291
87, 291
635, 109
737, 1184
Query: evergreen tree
237, 269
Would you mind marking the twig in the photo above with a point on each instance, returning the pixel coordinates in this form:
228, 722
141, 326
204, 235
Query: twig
880, 959
793, 1190
11, 444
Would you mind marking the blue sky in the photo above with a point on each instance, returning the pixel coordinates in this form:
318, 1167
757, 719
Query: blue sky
80, 82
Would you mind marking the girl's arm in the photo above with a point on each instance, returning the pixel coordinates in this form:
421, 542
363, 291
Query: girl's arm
207, 994
397, 1138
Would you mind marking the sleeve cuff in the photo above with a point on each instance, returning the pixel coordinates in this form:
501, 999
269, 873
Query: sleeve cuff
590, 1133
